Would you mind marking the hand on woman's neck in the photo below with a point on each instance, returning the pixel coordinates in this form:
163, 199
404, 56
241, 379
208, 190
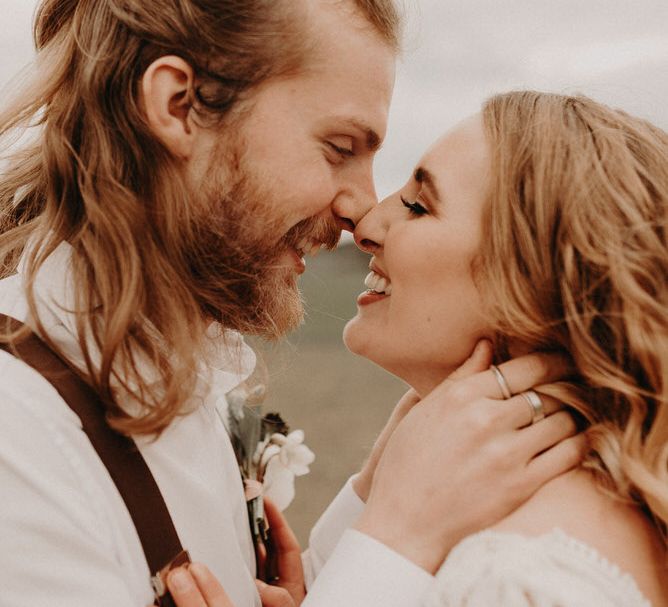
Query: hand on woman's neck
423, 380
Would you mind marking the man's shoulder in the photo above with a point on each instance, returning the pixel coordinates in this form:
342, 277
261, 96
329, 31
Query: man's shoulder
25, 394
12, 297
41, 437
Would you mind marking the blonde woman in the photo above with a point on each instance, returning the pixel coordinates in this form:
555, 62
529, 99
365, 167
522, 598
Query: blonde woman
541, 224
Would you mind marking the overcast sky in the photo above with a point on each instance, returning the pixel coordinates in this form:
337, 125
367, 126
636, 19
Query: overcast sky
458, 53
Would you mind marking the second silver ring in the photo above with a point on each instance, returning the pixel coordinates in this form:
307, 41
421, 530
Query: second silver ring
536, 404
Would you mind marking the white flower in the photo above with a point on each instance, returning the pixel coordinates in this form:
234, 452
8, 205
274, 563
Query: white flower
284, 458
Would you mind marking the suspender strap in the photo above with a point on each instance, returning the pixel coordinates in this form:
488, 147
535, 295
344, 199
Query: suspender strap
118, 453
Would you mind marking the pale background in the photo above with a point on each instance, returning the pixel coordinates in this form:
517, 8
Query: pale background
457, 53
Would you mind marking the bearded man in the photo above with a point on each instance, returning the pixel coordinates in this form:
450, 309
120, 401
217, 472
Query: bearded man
186, 153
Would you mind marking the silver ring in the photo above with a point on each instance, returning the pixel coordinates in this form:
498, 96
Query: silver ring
501, 380
536, 404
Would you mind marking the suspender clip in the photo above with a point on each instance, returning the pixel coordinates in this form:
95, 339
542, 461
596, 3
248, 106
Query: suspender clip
159, 581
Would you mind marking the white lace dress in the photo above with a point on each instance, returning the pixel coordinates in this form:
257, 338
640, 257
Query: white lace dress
491, 569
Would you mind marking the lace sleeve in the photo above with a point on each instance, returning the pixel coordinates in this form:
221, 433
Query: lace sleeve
554, 570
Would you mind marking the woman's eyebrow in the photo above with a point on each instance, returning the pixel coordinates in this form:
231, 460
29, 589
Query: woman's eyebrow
424, 177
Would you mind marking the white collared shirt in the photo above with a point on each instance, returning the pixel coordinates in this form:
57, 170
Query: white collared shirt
66, 537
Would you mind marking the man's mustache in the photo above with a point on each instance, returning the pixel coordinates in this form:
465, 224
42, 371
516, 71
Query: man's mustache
323, 231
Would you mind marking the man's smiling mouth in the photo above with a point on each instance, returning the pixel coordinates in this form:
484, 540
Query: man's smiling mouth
310, 246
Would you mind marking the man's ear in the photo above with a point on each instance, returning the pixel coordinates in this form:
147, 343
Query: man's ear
167, 91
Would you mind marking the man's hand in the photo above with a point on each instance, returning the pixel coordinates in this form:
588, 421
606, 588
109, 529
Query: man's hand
464, 457
289, 553
196, 586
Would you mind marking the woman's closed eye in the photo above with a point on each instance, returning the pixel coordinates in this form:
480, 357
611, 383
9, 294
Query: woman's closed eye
415, 208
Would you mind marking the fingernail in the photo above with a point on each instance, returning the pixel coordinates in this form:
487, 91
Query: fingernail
180, 580
198, 570
260, 584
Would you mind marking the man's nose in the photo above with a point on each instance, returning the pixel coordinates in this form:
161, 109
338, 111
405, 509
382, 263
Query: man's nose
351, 206
350, 211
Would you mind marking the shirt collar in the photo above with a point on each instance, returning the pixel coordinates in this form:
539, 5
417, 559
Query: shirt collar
226, 359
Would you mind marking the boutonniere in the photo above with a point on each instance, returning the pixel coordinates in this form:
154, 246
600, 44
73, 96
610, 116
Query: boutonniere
270, 456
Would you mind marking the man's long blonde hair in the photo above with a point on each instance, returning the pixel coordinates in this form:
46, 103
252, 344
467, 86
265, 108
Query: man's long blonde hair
96, 177
575, 258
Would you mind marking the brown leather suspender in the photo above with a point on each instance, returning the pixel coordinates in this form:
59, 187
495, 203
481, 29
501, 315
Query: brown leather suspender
119, 453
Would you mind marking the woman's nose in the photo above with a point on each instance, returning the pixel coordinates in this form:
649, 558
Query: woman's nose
368, 245
370, 231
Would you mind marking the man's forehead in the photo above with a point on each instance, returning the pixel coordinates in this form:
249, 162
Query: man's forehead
346, 81
335, 28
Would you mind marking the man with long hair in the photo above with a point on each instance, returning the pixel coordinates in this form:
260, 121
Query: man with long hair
185, 155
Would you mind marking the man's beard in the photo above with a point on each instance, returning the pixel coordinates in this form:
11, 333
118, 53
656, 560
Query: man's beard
235, 260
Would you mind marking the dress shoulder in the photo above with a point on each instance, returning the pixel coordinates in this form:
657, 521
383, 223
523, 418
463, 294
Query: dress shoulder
510, 570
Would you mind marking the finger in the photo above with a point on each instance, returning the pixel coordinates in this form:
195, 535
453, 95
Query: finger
480, 360
520, 373
290, 568
405, 404
211, 589
525, 372
284, 538
183, 589
544, 434
273, 596
561, 458
520, 412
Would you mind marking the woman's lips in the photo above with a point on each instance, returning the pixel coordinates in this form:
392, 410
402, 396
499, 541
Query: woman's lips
378, 286
369, 297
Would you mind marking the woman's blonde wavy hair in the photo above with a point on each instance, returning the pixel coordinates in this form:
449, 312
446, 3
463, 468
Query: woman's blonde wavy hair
96, 177
575, 258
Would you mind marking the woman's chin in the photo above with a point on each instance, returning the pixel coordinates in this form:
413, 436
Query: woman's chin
360, 341
354, 338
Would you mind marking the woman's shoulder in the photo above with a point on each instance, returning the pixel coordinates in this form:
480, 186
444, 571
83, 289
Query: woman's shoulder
508, 569
617, 532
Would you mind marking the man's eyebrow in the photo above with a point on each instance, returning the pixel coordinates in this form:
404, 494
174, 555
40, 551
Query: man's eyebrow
424, 177
372, 139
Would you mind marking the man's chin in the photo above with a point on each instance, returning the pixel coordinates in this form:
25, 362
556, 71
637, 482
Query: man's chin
281, 313
278, 327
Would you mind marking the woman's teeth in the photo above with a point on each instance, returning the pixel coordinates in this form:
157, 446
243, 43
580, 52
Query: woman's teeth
310, 246
377, 283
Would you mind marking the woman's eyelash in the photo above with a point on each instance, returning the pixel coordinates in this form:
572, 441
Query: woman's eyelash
414, 207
